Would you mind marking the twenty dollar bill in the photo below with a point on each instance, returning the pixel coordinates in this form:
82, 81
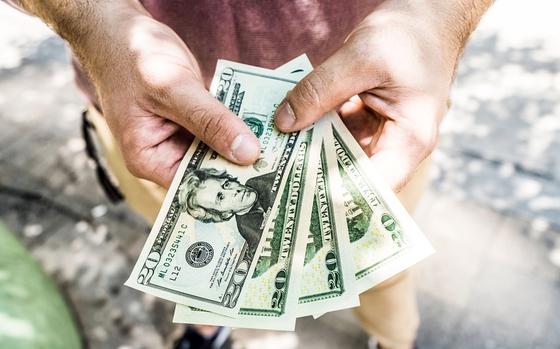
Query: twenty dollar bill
272, 293
203, 245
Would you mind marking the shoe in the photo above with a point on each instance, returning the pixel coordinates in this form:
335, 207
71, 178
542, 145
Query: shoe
373, 344
191, 339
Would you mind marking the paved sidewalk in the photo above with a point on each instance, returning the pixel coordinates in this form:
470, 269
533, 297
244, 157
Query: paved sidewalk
493, 212
490, 285
500, 143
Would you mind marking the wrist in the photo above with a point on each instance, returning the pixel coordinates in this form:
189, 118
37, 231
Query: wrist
83, 23
445, 24
102, 29
400, 34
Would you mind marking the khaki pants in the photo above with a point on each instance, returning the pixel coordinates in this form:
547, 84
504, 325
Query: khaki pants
388, 311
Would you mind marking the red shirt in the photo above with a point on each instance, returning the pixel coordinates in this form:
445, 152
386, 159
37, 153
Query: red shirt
266, 33
263, 33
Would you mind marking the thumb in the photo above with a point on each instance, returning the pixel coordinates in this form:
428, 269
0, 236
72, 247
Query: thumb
323, 90
204, 116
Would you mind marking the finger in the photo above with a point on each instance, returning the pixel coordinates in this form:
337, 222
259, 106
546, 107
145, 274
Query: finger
196, 110
394, 157
324, 89
401, 147
396, 173
162, 160
364, 123
153, 148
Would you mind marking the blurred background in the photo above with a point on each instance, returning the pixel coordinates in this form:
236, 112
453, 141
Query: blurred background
492, 211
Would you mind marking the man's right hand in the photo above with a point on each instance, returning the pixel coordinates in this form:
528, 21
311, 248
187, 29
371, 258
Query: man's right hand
150, 89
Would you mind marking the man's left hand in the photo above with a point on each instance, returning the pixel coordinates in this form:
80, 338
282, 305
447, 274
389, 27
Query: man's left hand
390, 83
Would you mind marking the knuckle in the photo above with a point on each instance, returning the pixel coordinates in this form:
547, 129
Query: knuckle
212, 128
132, 151
132, 165
159, 90
130, 142
426, 139
157, 79
307, 92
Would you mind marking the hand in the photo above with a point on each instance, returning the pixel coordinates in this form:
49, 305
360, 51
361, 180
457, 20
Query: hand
153, 96
399, 69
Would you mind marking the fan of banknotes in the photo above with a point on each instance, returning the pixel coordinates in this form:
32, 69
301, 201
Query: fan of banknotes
303, 231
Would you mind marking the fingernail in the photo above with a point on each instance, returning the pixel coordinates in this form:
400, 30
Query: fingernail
244, 148
285, 117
